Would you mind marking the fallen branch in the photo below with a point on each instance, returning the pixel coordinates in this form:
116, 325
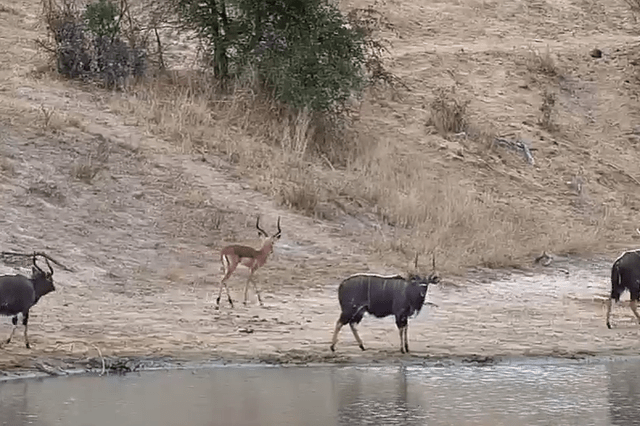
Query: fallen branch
104, 368
102, 360
41, 366
37, 253
618, 169
518, 146
544, 259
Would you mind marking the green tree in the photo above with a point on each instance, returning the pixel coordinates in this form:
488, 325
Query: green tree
303, 51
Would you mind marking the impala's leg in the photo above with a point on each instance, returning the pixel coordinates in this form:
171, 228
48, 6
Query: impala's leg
224, 284
246, 288
255, 287
229, 266
228, 295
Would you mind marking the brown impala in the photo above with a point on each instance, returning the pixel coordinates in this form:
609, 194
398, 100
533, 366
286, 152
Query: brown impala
235, 254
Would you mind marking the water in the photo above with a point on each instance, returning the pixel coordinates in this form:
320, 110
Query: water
603, 393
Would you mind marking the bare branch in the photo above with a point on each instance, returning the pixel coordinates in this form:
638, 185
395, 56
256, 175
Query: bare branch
34, 254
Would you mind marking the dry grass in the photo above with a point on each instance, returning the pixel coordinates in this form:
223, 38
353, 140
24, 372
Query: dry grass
448, 111
548, 110
542, 63
7, 166
274, 151
484, 206
369, 169
470, 228
87, 168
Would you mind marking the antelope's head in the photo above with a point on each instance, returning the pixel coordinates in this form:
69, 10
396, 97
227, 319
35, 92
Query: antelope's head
268, 241
42, 281
421, 280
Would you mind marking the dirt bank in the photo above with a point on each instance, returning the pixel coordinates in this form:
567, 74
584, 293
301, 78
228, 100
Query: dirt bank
142, 219
143, 237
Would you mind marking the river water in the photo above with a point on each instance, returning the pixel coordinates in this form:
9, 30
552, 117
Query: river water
513, 393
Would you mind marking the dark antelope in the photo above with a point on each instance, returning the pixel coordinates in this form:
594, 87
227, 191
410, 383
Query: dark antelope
625, 275
233, 255
19, 293
381, 296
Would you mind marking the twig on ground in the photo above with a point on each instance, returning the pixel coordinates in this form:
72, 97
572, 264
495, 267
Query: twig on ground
37, 253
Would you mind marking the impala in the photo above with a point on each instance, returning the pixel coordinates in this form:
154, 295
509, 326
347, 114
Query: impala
233, 255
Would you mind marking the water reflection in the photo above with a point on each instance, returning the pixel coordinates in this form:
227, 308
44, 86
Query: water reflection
378, 397
14, 410
571, 394
624, 394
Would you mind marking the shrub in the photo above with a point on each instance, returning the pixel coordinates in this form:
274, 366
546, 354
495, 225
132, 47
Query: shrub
448, 111
305, 53
88, 44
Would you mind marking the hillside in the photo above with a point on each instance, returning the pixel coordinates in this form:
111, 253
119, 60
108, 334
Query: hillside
139, 190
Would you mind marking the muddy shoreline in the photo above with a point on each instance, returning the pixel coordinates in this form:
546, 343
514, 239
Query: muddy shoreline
126, 365
487, 317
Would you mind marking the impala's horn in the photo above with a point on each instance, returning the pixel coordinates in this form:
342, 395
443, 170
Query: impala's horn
260, 230
279, 230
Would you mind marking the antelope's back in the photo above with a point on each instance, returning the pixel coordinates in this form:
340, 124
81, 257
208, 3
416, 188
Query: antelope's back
16, 294
628, 267
370, 289
351, 291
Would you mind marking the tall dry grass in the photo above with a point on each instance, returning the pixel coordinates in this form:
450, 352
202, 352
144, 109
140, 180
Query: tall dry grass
279, 154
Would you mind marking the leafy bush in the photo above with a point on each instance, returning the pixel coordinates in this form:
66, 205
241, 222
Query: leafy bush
317, 62
88, 44
102, 18
304, 52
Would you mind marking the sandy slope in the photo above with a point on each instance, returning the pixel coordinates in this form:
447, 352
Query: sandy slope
144, 235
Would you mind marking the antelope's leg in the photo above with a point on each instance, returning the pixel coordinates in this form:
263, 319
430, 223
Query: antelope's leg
255, 287
334, 339
406, 338
634, 307
402, 324
222, 283
608, 304
14, 321
246, 289
356, 335
25, 322
228, 294
228, 270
